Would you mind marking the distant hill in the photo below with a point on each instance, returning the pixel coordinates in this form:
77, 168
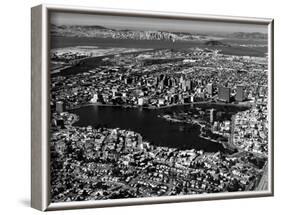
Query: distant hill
246, 35
103, 32
53, 26
216, 43
93, 27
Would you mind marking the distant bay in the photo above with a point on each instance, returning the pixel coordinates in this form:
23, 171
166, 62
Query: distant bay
62, 42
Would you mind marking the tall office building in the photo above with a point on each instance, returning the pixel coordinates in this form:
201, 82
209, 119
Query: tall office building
181, 79
212, 115
240, 96
209, 88
114, 91
95, 98
192, 98
189, 85
140, 101
139, 141
224, 94
59, 106
183, 86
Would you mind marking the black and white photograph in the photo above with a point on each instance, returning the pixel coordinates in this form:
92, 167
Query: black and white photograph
151, 107
140, 107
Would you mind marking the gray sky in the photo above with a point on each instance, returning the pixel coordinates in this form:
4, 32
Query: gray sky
141, 23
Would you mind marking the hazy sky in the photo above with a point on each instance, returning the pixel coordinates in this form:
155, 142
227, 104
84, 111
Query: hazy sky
141, 23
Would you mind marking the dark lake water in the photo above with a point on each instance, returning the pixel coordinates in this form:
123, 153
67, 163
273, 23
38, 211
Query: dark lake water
60, 42
153, 129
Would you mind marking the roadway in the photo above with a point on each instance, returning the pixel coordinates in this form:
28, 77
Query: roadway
263, 183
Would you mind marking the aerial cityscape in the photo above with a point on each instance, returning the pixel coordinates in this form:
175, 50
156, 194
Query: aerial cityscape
145, 113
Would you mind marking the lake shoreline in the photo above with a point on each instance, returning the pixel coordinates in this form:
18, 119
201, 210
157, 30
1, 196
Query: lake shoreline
158, 108
145, 121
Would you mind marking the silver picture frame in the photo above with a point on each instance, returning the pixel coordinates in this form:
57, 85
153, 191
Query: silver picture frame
40, 156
